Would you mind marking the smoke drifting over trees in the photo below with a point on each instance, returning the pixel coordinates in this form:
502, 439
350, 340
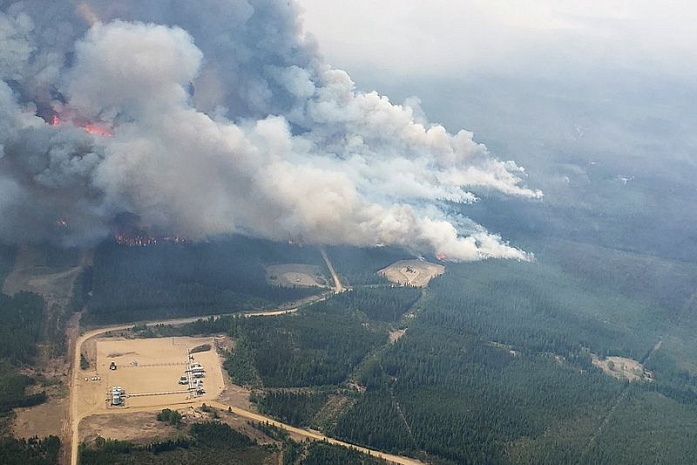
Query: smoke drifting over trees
217, 117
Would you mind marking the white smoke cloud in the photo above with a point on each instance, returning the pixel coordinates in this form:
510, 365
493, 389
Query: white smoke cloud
131, 68
207, 139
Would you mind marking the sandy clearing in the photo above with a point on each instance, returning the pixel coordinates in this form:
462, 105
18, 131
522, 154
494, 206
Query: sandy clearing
295, 274
148, 366
43, 420
623, 368
77, 413
397, 334
89, 397
412, 272
139, 427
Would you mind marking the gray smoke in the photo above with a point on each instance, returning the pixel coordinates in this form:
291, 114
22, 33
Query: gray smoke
215, 117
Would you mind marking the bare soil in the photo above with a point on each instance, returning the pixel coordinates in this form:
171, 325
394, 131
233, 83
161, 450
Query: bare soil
396, 335
139, 427
623, 368
47, 419
412, 272
84, 404
296, 274
54, 284
235, 395
147, 366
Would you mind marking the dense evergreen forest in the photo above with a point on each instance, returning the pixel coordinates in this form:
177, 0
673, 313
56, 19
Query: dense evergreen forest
320, 345
320, 453
220, 276
360, 266
20, 332
171, 280
377, 304
29, 452
314, 348
293, 408
494, 368
492, 363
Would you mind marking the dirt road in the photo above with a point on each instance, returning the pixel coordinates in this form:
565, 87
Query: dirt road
55, 284
337, 283
316, 436
76, 416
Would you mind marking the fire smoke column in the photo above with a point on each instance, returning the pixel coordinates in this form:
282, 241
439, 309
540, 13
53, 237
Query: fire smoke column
220, 117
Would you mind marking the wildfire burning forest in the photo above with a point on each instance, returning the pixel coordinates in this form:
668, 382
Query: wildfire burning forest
209, 118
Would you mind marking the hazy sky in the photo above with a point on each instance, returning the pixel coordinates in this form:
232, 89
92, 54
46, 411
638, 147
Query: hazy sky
596, 103
595, 98
439, 36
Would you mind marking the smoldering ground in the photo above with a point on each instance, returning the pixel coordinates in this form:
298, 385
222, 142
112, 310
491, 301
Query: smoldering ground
217, 117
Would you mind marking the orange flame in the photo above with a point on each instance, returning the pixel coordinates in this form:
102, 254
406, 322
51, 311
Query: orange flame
98, 129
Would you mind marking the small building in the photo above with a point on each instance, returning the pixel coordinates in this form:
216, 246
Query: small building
117, 394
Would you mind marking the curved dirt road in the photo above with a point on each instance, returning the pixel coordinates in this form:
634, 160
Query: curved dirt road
76, 417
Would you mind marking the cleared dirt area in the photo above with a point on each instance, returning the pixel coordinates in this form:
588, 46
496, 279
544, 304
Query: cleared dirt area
412, 272
54, 284
296, 274
83, 406
148, 370
397, 334
623, 368
138, 427
234, 395
43, 420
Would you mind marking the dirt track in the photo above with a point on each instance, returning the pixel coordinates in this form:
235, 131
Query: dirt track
77, 415
337, 283
55, 285
615, 404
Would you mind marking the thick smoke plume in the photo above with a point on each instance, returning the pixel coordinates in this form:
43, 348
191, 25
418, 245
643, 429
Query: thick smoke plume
215, 117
